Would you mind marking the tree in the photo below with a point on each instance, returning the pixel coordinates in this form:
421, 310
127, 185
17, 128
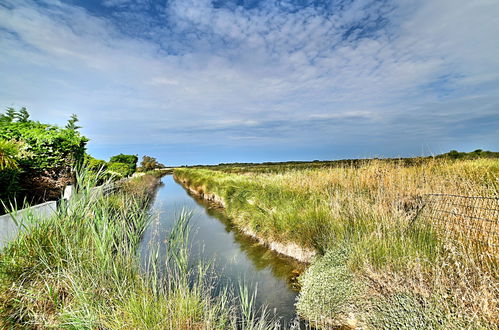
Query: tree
71, 125
454, 154
122, 169
131, 160
23, 115
149, 163
11, 114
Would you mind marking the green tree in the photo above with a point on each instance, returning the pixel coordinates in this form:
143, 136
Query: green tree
454, 154
131, 160
11, 113
121, 169
23, 115
45, 157
149, 163
71, 125
94, 164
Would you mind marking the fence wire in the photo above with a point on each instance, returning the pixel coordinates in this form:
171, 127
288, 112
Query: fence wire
474, 219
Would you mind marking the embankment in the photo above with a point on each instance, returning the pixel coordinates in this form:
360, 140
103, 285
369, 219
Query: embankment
288, 249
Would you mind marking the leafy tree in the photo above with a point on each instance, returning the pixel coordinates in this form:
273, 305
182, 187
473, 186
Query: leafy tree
454, 154
46, 155
149, 163
131, 160
11, 113
94, 164
121, 169
71, 125
23, 115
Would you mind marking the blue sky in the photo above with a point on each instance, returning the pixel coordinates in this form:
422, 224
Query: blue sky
198, 81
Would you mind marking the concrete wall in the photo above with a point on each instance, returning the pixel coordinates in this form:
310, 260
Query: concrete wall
8, 227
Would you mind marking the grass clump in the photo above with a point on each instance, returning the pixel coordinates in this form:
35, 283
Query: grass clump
329, 291
80, 269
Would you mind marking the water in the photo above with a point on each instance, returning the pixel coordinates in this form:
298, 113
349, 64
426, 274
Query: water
235, 256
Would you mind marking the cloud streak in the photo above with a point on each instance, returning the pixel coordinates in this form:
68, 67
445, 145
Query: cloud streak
258, 74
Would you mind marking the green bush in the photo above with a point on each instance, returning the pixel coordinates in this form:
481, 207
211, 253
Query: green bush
95, 165
149, 163
122, 169
49, 147
44, 159
131, 160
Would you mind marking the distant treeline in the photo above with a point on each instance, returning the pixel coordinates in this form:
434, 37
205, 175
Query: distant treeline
273, 167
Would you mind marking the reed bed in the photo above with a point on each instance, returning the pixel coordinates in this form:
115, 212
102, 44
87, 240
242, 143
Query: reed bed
81, 269
394, 268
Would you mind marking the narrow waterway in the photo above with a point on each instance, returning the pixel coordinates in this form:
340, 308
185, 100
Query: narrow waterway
235, 256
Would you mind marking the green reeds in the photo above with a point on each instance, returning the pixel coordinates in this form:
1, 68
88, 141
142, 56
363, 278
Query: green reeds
80, 269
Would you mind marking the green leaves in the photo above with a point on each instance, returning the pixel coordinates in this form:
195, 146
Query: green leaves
123, 165
9, 151
46, 147
149, 163
71, 125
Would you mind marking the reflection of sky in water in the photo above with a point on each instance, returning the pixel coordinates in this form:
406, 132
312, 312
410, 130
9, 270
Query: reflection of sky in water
235, 257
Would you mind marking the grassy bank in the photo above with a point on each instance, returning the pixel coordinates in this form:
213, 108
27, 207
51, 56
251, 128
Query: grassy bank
80, 269
376, 266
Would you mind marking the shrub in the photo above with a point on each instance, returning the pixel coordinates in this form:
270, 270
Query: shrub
126, 159
121, 169
149, 163
95, 165
44, 156
50, 147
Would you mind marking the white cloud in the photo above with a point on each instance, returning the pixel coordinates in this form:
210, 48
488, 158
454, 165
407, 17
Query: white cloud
243, 71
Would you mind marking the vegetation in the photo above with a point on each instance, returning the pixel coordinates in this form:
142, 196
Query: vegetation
9, 151
122, 165
95, 165
149, 163
478, 153
37, 159
374, 260
80, 269
282, 167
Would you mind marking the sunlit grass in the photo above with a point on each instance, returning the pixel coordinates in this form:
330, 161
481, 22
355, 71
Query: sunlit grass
368, 213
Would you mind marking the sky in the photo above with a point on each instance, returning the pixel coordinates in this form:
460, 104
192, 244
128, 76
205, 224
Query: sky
206, 82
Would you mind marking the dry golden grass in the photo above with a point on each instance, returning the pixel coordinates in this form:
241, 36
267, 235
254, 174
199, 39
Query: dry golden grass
370, 212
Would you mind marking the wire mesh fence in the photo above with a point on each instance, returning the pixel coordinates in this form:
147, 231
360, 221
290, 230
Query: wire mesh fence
473, 219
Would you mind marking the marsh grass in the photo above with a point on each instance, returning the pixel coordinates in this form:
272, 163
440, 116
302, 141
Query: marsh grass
368, 212
80, 269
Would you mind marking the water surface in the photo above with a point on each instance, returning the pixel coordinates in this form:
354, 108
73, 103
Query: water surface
235, 256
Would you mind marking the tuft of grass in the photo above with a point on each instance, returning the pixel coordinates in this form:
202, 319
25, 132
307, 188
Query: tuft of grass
329, 291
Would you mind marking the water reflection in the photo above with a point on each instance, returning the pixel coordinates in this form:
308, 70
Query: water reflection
234, 256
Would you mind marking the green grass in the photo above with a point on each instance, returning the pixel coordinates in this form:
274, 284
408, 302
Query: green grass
80, 269
366, 211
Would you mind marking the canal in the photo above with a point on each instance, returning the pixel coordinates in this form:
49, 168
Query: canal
235, 257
